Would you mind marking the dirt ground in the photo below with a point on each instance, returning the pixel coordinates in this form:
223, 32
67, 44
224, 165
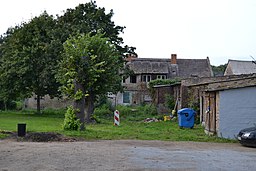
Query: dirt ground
124, 155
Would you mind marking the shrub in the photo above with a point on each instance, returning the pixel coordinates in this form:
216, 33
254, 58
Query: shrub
9, 105
169, 101
71, 122
150, 110
103, 111
124, 110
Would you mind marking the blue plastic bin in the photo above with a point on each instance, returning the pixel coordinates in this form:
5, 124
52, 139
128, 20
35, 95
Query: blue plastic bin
186, 117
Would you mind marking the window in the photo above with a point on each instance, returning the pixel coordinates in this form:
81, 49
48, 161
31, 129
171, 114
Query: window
126, 97
146, 78
133, 79
161, 77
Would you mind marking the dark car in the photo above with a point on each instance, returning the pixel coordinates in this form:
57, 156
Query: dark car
247, 137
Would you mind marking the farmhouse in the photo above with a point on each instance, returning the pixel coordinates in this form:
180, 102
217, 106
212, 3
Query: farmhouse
147, 69
144, 70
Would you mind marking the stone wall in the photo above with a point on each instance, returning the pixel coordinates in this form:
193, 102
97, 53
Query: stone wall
47, 102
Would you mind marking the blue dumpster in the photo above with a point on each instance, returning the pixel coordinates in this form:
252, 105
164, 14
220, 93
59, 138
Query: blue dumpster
186, 117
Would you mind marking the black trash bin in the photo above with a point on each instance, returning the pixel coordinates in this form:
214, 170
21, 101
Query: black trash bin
21, 129
186, 117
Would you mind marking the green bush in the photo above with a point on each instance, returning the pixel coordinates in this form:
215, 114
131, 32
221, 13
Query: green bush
169, 101
150, 110
103, 111
137, 113
125, 110
10, 105
71, 122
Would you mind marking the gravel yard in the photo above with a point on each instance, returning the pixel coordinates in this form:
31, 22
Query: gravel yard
124, 155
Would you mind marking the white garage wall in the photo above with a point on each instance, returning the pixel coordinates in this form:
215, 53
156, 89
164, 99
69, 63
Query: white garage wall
237, 111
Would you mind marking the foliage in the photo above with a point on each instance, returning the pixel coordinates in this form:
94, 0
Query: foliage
194, 103
8, 105
219, 70
90, 67
149, 109
169, 101
89, 18
103, 111
30, 53
163, 82
104, 101
81, 62
137, 113
71, 122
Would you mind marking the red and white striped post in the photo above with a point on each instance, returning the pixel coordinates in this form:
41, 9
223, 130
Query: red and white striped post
116, 118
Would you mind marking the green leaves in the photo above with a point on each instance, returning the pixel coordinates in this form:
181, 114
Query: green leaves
71, 122
29, 59
83, 60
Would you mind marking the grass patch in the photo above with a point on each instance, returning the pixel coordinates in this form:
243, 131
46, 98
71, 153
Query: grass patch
35, 122
165, 131
131, 126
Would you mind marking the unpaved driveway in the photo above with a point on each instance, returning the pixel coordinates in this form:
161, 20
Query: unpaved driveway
125, 155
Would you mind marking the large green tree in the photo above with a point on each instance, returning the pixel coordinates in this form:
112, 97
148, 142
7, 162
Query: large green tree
88, 18
30, 54
90, 66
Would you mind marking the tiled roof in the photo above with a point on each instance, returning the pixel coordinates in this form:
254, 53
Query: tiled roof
236, 67
184, 68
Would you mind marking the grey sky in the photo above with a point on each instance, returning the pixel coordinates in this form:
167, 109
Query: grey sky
220, 29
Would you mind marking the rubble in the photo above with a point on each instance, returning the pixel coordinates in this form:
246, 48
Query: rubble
148, 120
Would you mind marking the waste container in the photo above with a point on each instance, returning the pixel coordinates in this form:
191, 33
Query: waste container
186, 117
21, 129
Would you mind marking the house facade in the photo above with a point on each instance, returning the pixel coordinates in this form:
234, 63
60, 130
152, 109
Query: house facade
147, 69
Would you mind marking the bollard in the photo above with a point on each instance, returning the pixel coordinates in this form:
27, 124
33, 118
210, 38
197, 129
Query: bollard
21, 129
116, 118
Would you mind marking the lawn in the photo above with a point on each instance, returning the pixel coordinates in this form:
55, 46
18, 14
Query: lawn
130, 128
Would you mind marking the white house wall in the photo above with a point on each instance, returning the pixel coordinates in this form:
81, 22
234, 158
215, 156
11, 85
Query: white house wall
237, 111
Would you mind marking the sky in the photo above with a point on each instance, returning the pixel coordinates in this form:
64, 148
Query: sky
192, 29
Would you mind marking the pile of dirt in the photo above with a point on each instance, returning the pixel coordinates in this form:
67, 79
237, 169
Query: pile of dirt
41, 137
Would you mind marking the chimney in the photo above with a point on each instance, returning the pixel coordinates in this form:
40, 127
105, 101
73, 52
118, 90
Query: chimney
130, 57
174, 59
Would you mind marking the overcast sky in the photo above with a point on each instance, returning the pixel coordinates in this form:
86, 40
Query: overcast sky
220, 29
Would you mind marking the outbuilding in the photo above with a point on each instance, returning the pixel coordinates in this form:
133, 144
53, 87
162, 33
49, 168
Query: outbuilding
229, 106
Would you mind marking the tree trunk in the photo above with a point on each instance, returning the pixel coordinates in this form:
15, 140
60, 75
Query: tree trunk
5, 105
89, 107
80, 105
38, 106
